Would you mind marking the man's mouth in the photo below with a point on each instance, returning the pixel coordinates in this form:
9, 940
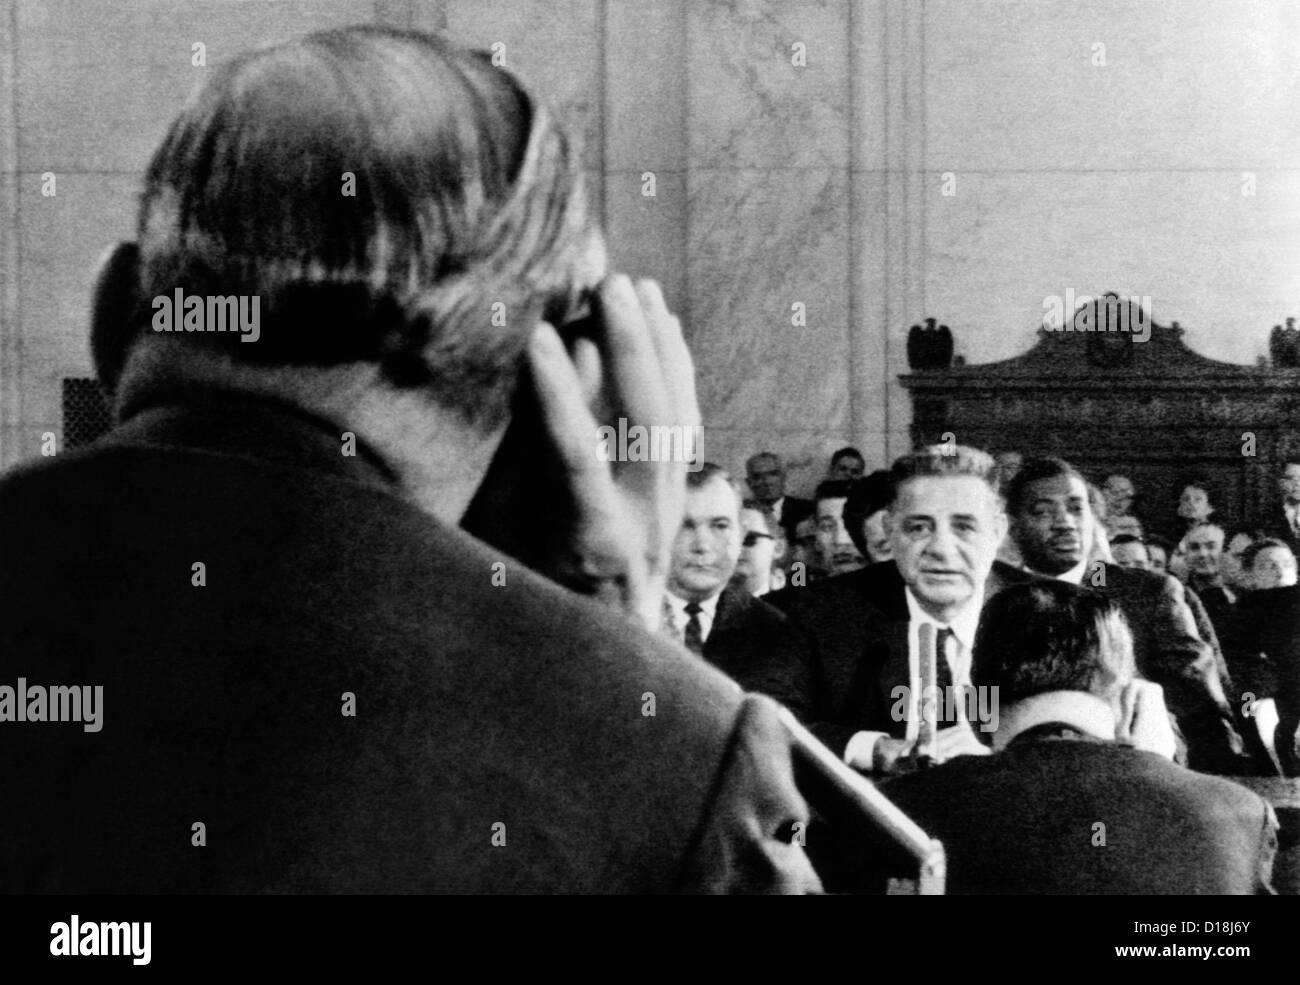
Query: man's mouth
1066, 544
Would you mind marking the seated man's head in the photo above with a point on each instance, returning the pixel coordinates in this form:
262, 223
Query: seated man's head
1046, 637
1119, 492
1231, 561
1130, 525
765, 475
864, 516
1288, 482
1158, 550
707, 546
1194, 504
1130, 552
1270, 564
945, 523
405, 212
757, 552
1051, 516
836, 552
1203, 548
847, 463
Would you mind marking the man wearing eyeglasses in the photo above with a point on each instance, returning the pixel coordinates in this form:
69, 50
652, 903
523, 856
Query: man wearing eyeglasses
706, 609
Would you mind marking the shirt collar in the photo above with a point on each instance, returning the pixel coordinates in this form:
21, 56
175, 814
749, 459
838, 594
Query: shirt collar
708, 606
1077, 709
963, 625
1075, 575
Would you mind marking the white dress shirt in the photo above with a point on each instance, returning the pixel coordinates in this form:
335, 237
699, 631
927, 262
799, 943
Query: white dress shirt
679, 618
860, 749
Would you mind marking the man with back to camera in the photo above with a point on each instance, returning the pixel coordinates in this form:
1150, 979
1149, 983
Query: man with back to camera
314, 680
1079, 795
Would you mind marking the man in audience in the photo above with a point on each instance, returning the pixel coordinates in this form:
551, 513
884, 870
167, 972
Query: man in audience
315, 680
765, 475
864, 516
1130, 552
737, 633
860, 684
1053, 524
1236, 578
757, 564
1270, 563
847, 464
1283, 522
1119, 494
1158, 550
1203, 546
837, 553
1079, 796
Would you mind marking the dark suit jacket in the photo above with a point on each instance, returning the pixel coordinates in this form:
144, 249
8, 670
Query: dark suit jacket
1267, 659
853, 631
501, 740
1169, 650
750, 640
1031, 819
1275, 524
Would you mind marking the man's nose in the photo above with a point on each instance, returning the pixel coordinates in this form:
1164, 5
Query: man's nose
1065, 519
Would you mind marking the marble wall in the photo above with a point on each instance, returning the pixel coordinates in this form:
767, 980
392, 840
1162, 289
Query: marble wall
826, 173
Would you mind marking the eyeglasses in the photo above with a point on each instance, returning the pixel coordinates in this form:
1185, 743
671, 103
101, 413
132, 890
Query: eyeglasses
754, 536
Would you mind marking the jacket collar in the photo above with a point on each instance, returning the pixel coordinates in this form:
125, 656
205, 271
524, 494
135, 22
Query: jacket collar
233, 422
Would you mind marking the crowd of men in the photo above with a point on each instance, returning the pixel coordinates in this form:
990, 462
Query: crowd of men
872, 559
370, 614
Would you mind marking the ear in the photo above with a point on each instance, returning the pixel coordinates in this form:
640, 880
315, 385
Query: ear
115, 303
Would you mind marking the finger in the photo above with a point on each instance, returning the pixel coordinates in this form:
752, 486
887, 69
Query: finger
567, 419
633, 366
586, 360
675, 361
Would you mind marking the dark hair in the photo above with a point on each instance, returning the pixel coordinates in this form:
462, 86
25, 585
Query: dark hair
848, 452
465, 194
764, 454
943, 460
1120, 539
1049, 635
1251, 553
832, 489
1034, 470
1162, 543
867, 495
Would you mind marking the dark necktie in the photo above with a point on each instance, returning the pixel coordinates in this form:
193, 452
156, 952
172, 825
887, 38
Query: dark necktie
943, 673
694, 636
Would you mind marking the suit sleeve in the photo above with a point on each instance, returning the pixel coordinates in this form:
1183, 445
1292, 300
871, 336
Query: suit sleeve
1193, 689
751, 839
794, 682
1181, 656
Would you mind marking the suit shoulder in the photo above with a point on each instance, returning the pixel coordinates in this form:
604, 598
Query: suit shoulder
878, 585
